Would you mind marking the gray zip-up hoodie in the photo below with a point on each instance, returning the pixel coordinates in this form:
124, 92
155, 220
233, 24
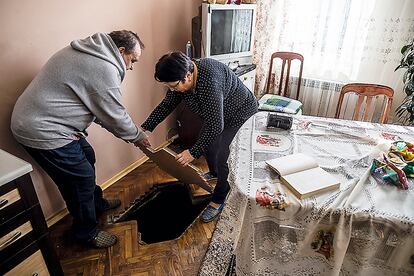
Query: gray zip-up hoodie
78, 85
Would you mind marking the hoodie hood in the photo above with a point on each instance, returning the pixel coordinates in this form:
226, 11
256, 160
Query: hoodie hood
101, 46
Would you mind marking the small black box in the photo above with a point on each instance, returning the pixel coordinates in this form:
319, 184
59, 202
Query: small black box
279, 121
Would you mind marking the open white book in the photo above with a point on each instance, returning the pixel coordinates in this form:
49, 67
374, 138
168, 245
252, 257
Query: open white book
302, 175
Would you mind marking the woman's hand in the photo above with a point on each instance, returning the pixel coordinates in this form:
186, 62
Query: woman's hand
184, 158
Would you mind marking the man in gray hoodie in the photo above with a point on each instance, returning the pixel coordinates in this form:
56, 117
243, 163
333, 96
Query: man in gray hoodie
79, 85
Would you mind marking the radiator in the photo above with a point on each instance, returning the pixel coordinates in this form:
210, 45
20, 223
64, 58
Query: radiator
320, 98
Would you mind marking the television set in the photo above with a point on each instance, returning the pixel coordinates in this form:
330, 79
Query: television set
227, 32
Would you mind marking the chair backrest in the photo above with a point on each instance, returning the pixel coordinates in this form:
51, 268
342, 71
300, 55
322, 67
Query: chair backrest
286, 58
366, 92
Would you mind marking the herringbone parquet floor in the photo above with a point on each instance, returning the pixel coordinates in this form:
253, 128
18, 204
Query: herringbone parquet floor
176, 257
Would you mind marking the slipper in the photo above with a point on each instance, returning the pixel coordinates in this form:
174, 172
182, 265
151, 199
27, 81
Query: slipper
103, 240
211, 213
208, 176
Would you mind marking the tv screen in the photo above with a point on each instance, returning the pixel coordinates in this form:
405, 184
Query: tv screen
231, 31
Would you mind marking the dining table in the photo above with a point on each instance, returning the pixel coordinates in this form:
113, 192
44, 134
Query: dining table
364, 227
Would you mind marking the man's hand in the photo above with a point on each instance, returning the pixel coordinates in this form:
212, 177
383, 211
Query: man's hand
145, 142
184, 158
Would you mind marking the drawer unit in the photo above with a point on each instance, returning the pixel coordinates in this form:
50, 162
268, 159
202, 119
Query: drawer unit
25, 247
34, 265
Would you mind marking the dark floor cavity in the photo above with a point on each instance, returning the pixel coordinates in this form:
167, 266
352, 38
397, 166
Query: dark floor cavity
165, 212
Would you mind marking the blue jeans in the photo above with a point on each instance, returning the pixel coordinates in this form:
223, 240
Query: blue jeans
216, 156
72, 168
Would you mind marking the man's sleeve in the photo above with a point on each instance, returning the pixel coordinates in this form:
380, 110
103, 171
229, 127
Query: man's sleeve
111, 114
168, 104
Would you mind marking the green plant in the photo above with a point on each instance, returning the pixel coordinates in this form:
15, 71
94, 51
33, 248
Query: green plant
405, 111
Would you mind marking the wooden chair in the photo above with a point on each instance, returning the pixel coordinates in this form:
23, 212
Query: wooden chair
286, 58
279, 102
366, 92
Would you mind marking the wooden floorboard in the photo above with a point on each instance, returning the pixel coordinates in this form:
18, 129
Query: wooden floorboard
176, 257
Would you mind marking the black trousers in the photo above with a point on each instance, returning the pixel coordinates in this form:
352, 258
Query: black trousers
72, 168
217, 155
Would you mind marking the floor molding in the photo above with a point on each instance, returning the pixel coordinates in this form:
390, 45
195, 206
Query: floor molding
124, 172
61, 214
56, 217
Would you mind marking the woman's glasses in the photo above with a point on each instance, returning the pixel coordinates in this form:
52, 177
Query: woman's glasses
172, 87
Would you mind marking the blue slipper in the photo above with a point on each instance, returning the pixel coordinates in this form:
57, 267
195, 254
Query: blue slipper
208, 176
211, 213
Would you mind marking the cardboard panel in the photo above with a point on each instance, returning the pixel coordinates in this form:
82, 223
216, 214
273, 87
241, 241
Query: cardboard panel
165, 159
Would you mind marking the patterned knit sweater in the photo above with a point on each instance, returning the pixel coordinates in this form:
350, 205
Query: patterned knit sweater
219, 98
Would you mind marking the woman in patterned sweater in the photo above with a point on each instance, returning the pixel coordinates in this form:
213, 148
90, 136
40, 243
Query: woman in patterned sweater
211, 90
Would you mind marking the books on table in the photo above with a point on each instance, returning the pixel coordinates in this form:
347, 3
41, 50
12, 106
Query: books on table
302, 175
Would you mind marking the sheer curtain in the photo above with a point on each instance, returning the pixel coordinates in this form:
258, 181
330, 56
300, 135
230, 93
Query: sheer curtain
241, 26
342, 41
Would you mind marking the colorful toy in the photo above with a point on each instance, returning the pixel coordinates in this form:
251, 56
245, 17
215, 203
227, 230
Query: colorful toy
401, 154
388, 173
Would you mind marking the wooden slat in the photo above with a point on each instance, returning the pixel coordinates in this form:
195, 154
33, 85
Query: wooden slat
367, 108
281, 77
358, 107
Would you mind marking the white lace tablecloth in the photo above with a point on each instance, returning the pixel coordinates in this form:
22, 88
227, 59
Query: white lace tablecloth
372, 225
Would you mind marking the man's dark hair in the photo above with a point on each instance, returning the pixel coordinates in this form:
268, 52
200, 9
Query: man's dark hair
173, 67
126, 39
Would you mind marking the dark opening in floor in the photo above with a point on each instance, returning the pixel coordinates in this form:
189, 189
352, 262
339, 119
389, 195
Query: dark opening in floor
165, 212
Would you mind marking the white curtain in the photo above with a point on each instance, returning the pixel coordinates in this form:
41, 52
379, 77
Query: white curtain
241, 30
341, 40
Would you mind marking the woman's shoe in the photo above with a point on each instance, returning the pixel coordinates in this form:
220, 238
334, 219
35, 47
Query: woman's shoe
208, 176
211, 213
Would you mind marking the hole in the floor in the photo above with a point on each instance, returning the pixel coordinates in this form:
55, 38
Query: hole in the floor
165, 212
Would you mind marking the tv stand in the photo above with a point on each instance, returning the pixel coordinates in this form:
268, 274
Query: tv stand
243, 69
247, 74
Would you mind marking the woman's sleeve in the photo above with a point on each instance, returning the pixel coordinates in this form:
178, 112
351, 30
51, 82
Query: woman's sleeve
212, 113
168, 104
